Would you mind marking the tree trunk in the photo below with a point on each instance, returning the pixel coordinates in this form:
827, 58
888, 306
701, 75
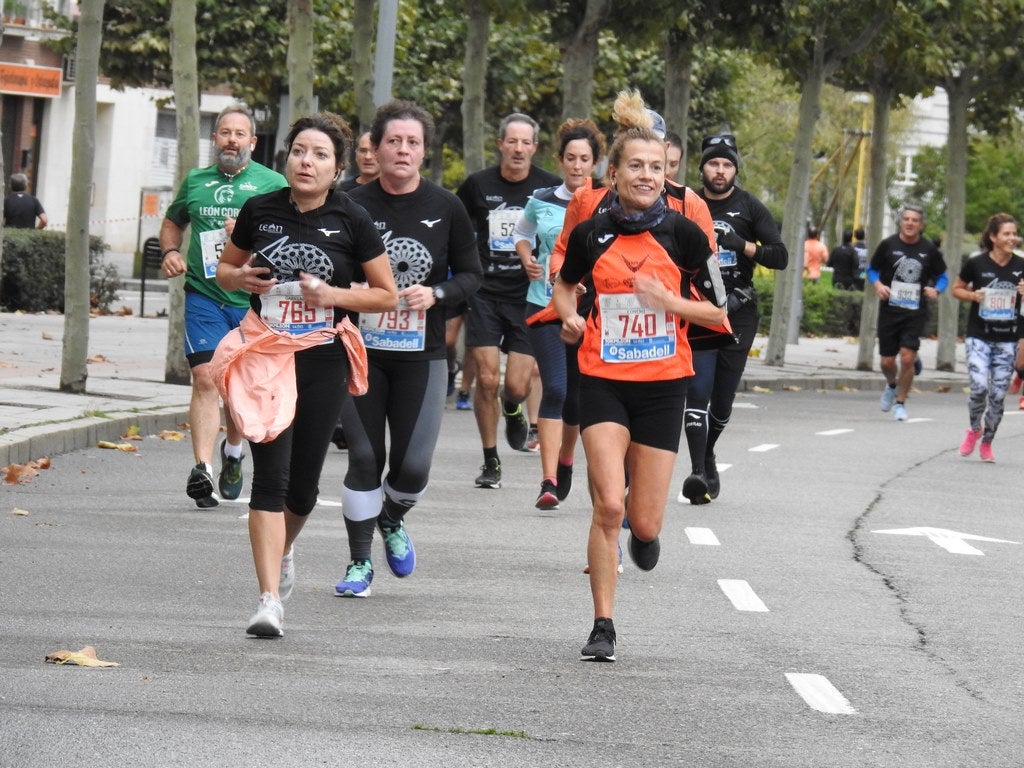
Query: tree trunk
362, 62
474, 78
877, 194
579, 57
787, 302
186, 107
959, 91
300, 58
73, 370
678, 69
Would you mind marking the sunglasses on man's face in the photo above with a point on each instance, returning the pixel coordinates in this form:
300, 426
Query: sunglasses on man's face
711, 141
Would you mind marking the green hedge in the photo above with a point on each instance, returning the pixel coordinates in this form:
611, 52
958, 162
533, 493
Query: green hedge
831, 312
33, 272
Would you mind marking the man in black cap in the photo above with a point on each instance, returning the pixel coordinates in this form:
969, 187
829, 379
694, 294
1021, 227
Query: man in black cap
747, 236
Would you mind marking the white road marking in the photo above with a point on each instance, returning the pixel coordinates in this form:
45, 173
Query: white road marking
763, 447
739, 404
742, 596
820, 694
723, 467
831, 432
918, 420
245, 500
951, 541
703, 536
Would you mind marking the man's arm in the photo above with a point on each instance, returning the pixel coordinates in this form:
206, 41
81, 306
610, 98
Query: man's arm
173, 262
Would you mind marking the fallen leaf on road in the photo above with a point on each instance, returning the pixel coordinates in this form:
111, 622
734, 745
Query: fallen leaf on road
126, 447
19, 512
5, 364
132, 433
791, 387
96, 359
85, 657
22, 473
47, 336
170, 434
942, 389
760, 390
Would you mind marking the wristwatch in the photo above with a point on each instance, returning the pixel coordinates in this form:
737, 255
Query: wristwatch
438, 293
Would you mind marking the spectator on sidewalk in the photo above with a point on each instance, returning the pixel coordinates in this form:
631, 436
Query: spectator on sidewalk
815, 255
845, 264
21, 209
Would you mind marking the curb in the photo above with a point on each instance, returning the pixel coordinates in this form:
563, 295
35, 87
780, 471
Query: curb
24, 445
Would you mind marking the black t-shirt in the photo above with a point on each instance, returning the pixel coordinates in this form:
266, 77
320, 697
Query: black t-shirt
21, 210
845, 266
1003, 308
494, 205
430, 241
330, 242
748, 217
909, 264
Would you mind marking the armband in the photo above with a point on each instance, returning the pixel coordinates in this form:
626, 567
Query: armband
169, 250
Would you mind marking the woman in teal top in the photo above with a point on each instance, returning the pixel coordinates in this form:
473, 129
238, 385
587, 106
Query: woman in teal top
580, 146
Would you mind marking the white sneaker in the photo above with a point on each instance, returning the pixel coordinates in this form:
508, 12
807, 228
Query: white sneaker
287, 582
888, 398
899, 412
268, 619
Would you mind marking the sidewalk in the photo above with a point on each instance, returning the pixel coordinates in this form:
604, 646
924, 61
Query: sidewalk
125, 385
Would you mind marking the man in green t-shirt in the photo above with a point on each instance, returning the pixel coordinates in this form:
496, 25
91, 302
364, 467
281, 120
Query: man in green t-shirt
209, 200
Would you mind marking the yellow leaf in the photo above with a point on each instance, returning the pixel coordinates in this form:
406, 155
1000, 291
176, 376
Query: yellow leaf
126, 447
84, 657
171, 434
132, 433
760, 390
19, 512
791, 387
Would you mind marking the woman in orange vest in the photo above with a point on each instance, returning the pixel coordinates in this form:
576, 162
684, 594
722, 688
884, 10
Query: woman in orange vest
641, 259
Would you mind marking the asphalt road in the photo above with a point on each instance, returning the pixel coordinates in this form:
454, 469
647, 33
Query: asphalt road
781, 628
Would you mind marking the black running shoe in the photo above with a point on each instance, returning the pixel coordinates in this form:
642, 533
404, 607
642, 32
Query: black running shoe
563, 480
339, 438
601, 644
711, 475
229, 483
517, 429
695, 488
200, 487
548, 498
490, 474
644, 553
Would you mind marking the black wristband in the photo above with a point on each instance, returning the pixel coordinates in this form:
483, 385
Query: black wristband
169, 250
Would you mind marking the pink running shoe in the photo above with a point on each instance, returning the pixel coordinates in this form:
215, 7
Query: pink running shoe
986, 452
967, 446
1015, 384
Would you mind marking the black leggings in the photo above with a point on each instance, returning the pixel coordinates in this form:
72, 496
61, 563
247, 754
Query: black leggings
286, 471
712, 390
406, 399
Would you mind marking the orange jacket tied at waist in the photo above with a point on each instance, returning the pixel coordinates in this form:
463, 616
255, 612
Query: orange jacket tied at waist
253, 368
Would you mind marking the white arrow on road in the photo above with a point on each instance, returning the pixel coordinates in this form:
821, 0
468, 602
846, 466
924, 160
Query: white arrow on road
951, 541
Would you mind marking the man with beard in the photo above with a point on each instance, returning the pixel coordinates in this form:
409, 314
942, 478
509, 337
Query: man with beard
905, 268
747, 236
209, 200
